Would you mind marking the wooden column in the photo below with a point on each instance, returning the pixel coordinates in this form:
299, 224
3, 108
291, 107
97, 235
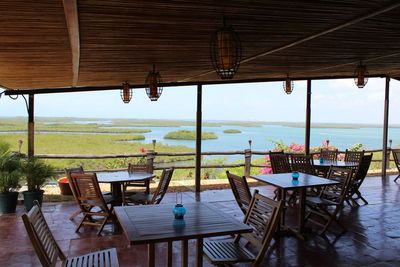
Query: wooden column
308, 118
31, 127
385, 129
198, 137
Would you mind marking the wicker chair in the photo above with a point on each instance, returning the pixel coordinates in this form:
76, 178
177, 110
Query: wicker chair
240, 190
92, 202
143, 198
396, 157
319, 209
361, 173
48, 250
303, 163
263, 215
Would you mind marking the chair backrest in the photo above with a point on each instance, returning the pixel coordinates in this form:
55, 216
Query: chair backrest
68, 172
362, 170
396, 157
42, 239
240, 190
88, 191
162, 187
137, 168
353, 156
303, 163
329, 155
337, 193
279, 162
263, 216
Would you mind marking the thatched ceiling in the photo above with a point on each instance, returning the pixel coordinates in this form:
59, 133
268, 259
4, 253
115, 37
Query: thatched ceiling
119, 40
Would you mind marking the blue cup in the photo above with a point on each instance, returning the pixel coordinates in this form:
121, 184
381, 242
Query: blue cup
179, 211
295, 175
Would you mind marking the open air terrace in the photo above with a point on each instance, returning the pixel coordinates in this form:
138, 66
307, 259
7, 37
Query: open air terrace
372, 237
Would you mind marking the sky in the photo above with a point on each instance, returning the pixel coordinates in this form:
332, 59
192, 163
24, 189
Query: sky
333, 101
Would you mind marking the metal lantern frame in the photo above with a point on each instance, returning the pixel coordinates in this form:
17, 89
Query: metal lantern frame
361, 75
288, 85
153, 88
126, 93
225, 51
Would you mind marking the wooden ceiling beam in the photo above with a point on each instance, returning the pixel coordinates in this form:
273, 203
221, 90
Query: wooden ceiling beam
72, 20
311, 37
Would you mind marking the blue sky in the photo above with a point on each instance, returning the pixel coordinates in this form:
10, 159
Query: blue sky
336, 101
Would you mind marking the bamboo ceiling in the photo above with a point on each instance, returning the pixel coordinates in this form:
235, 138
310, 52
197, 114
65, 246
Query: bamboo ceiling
119, 40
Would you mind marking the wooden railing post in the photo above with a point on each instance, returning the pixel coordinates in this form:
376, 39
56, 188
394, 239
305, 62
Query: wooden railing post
150, 155
31, 126
385, 128
247, 162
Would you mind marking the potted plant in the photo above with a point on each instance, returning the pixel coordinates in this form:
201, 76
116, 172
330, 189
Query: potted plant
36, 172
9, 178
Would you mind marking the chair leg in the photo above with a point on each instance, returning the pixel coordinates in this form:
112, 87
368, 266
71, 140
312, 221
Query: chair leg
397, 178
81, 223
102, 226
75, 214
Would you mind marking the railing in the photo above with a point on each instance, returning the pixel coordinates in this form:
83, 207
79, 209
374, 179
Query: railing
151, 155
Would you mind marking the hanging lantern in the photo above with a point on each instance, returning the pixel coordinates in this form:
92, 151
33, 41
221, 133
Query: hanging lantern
153, 88
360, 75
288, 85
226, 52
126, 93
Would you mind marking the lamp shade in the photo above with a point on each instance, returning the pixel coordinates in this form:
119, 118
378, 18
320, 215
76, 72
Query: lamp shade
153, 87
361, 75
226, 52
126, 93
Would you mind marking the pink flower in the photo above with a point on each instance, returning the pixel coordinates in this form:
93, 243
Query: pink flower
143, 150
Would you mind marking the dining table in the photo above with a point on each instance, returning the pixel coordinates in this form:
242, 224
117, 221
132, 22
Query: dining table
117, 179
324, 166
151, 224
284, 182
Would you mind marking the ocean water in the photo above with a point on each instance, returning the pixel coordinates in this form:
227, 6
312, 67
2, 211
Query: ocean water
261, 137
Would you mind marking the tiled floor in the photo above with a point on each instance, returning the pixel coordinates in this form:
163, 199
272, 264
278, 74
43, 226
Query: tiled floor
372, 239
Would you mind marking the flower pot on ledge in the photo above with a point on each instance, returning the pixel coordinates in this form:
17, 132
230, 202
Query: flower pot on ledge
8, 202
30, 196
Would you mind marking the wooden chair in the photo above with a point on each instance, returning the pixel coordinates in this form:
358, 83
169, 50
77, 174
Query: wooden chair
240, 190
279, 162
91, 201
396, 157
361, 173
263, 215
303, 163
48, 250
329, 155
68, 172
353, 156
146, 184
324, 210
143, 198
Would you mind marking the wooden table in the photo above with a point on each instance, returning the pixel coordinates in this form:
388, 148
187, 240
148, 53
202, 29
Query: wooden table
284, 182
116, 179
324, 166
150, 224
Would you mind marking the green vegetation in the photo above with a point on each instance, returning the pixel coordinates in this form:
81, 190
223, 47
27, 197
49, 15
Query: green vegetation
90, 144
189, 135
232, 131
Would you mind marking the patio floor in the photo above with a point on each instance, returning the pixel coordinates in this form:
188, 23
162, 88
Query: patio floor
372, 239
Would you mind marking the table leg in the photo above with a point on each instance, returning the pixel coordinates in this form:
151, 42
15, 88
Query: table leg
199, 252
169, 254
302, 210
147, 182
116, 191
151, 255
184, 253
283, 198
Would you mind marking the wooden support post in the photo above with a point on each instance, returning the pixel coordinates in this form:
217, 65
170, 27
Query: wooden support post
150, 155
308, 118
198, 138
385, 128
31, 127
247, 162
